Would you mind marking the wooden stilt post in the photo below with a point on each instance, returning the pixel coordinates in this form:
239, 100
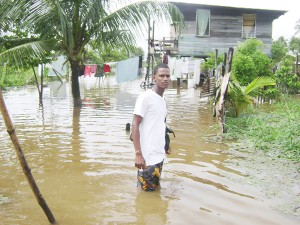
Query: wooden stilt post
21, 157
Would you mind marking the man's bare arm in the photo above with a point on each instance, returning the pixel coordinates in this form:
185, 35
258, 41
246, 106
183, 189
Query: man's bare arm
139, 159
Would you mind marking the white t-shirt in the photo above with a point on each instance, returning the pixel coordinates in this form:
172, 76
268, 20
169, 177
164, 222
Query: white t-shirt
152, 107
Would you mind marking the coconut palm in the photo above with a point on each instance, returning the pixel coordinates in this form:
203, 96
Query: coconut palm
68, 26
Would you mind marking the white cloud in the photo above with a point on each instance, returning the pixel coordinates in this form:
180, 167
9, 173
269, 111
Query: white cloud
285, 25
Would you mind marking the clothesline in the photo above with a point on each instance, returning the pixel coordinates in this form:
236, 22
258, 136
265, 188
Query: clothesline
94, 70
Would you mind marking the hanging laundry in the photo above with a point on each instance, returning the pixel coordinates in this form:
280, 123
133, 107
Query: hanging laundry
87, 71
93, 69
127, 70
197, 72
99, 71
171, 64
191, 66
184, 66
106, 68
177, 68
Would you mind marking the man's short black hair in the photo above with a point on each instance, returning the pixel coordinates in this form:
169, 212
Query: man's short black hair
162, 65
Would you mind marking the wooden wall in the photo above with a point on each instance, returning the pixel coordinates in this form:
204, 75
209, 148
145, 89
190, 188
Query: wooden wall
225, 29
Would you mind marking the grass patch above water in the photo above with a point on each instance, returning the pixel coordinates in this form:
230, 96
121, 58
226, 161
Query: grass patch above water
273, 128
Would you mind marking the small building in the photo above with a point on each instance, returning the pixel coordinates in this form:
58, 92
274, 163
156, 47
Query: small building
210, 27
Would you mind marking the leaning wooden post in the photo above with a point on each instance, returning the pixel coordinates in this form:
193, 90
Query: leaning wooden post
21, 157
216, 57
220, 104
216, 64
230, 55
224, 64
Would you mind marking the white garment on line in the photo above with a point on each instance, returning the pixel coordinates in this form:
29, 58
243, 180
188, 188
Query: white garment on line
197, 71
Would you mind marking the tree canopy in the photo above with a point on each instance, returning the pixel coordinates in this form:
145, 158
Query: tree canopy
250, 62
68, 26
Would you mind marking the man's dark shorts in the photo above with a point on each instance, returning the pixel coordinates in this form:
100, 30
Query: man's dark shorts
148, 179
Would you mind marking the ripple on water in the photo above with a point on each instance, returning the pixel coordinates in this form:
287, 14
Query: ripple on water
85, 161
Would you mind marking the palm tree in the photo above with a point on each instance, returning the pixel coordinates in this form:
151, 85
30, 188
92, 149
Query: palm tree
240, 97
69, 26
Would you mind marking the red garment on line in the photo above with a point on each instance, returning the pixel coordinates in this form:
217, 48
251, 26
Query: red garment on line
106, 68
87, 71
93, 69
90, 70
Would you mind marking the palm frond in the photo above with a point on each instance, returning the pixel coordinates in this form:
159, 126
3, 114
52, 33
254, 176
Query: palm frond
237, 98
24, 52
50, 19
258, 83
74, 23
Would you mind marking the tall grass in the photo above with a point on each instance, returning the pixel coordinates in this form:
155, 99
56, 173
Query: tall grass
273, 128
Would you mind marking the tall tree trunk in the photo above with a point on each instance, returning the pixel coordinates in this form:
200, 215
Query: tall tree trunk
75, 83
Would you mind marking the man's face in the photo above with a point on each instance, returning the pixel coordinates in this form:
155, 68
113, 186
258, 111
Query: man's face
162, 77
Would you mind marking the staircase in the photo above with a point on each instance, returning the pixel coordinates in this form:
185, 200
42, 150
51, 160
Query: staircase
207, 89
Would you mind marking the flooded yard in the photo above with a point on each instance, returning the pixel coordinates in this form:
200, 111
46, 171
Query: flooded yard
83, 162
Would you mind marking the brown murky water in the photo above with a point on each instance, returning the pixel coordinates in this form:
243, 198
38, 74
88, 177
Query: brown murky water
82, 161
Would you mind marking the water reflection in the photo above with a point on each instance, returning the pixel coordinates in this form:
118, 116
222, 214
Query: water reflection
82, 160
151, 208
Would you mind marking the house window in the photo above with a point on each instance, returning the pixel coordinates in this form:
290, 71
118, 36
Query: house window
249, 25
202, 22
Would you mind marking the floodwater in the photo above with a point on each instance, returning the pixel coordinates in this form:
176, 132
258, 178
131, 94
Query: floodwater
83, 162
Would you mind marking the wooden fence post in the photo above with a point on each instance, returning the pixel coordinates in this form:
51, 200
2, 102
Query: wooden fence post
230, 56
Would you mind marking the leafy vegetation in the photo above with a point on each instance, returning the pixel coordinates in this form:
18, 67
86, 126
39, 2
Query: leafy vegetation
210, 62
273, 128
15, 77
279, 50
103, 54
69, 26
249, 62
287, 81
251, 75
240, 97
295, 45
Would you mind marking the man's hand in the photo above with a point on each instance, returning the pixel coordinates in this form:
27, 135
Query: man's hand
139, 161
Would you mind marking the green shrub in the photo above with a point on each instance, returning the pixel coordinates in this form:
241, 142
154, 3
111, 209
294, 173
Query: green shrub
272, 128
250, 62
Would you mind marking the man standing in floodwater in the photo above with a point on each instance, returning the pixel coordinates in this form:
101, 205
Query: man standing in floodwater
148, 130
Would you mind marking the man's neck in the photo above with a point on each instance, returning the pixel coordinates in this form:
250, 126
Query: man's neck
158, 90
